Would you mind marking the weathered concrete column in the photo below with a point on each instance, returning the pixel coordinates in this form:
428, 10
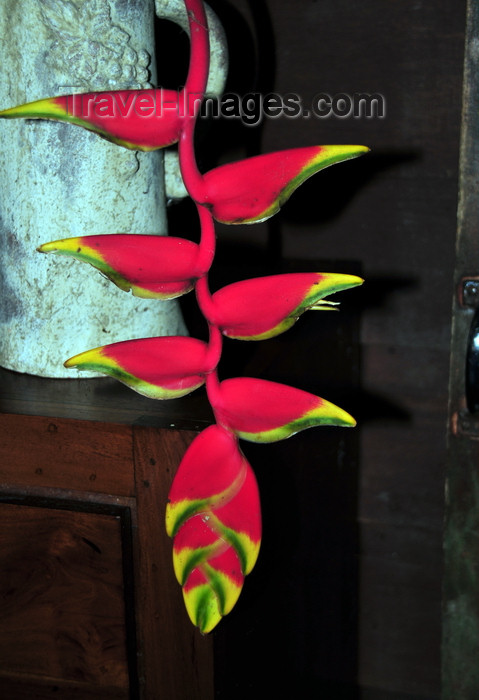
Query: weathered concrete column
58, 180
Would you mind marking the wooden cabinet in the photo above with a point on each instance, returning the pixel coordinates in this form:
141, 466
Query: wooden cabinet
89, 605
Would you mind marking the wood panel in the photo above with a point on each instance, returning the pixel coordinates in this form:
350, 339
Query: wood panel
174, 657
89, 605
62, 614
79, 455
47, 689
102, 400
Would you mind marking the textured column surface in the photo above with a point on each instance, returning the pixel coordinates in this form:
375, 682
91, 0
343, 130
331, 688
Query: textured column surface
58, 180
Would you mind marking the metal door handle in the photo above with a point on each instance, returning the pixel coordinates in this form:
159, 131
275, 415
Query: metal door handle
472, 366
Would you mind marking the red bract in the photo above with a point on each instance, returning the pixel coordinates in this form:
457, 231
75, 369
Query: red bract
214, 515
161, 368
254, 189
143, 120
262, 411
159, 267
261, 308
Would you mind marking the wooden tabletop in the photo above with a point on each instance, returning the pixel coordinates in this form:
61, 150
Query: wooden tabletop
101, 399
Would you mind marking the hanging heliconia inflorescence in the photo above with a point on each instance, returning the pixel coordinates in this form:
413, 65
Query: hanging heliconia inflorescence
213, 510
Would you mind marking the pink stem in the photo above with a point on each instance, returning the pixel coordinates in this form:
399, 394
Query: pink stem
205, 300
213, 389
189, 170
192, 94
208, 238
199, 49
214, 395
215, 343
215, 347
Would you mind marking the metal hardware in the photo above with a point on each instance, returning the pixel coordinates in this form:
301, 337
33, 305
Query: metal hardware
469, 297
472, 366
469, 292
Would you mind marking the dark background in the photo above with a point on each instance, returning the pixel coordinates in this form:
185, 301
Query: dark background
345, 601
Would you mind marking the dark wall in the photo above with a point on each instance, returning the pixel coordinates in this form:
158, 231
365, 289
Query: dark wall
346, 593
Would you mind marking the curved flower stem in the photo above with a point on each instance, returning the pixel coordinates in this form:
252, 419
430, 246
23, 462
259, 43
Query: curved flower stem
199, 50
207, 243
215, 343
192, 95
213, 390
189, 170
205, 302
215, 346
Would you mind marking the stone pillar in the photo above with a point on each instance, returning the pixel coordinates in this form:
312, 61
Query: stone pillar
58, 180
